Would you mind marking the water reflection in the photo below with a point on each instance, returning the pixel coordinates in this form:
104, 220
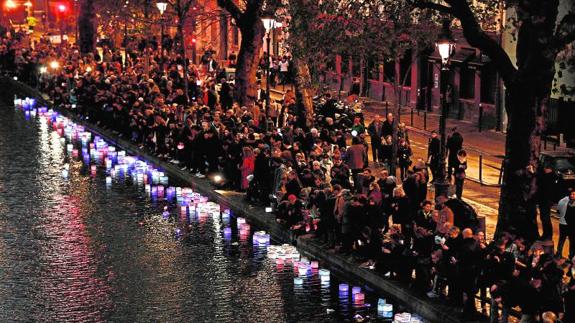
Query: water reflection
98, 245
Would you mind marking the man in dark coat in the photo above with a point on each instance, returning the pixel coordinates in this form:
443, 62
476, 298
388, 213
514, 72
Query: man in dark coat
388, 125
546, 180
375, 130
468, 260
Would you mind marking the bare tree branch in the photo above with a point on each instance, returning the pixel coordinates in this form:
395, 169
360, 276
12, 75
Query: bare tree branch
431, 5
478, 38
232, 8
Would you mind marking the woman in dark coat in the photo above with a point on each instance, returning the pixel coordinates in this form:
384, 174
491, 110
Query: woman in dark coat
400, 211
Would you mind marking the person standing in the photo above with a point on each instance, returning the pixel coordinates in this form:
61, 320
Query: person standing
355, 157
454, 144
570, 220
284, 70
375, 130
247, 166
434, 154
546, 180
404, 155
459, 172
563, 232
388, 125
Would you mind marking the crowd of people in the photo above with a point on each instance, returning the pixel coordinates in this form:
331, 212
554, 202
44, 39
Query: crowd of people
318, 178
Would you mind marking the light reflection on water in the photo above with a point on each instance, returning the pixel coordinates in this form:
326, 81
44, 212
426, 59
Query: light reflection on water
75, 250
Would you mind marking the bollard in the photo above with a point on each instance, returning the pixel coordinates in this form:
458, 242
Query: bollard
412, 117
481, 169
425, 120
501, 170
480, 116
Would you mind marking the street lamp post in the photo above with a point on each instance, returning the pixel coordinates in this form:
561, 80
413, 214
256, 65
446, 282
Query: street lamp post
446, 47
269, 23
162, 8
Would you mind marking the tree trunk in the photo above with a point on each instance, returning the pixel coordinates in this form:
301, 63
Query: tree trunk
517, 205
248, 60
526, 105
303, 90
87, 27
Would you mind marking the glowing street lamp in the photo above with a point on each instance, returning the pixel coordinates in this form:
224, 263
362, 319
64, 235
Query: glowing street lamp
162, 6
10, 4
445, 46
62, 8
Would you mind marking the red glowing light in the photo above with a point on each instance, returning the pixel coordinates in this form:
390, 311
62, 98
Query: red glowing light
62, 8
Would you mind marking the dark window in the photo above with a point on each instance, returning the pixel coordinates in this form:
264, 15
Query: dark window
373, 68
389, 71
467, 82
356, 66
488, 84
344, 64
404, 68
330, 63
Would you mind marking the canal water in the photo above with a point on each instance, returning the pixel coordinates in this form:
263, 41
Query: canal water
73, 248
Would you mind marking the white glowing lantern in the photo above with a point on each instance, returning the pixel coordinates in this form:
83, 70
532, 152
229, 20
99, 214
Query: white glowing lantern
162, 6
445, 44
269, 22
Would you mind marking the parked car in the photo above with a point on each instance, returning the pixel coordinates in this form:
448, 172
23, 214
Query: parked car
563, 164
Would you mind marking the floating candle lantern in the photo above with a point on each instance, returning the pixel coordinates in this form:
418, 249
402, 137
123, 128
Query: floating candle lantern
359, 298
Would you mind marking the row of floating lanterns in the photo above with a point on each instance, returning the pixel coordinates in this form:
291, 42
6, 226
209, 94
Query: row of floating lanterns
155, 182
